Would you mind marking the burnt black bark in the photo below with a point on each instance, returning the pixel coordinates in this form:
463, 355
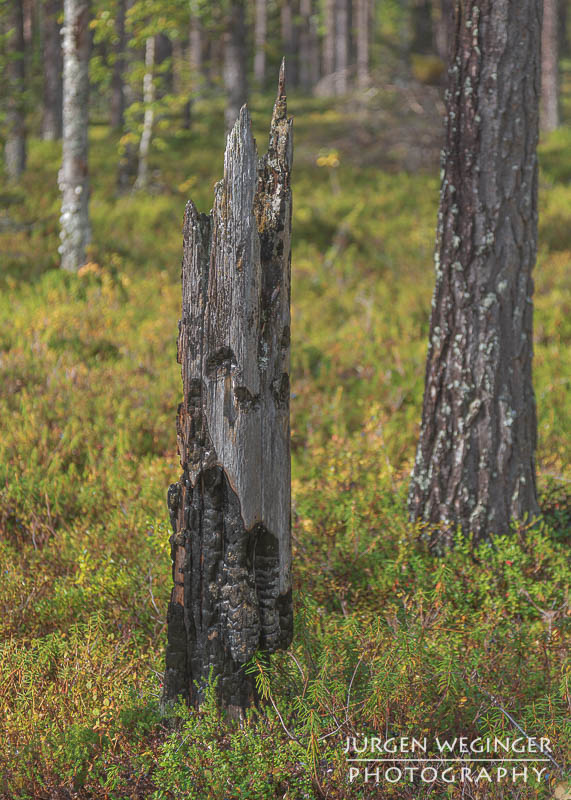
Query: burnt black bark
230, 510
475, 463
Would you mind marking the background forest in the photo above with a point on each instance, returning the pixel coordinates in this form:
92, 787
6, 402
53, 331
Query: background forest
388, 638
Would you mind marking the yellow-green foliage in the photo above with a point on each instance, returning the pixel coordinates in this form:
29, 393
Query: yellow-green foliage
387, 637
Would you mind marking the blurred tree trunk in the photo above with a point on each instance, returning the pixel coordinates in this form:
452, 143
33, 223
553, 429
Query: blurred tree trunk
52, 121
15, 144
163, 75
231, 510
289, 40
308, 47
148, 100
73, 176
550, 67
362, 23
475, 463
260, 33
341, 46
422, 27
180, 79
235, 79
563, 32
329, 39
442, 29
196, 62
117, 76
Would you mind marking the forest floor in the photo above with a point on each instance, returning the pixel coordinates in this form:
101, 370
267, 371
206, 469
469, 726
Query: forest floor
388, 638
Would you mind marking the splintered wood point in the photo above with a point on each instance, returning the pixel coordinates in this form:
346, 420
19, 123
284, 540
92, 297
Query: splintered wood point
230, 510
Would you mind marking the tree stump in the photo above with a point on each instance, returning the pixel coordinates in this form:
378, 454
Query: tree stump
230, 510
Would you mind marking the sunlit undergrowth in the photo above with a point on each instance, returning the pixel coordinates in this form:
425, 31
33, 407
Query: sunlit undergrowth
388, 638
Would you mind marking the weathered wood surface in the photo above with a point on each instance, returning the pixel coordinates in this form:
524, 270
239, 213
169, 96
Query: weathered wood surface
475, 463
230, 511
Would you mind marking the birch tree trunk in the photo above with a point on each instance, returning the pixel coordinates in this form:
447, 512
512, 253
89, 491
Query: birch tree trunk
235, 79
362, 17
230, 511
475, 463
52, 121
73, 176
15, 144
117, 76
148, 99
341, 46
260, 33
550, 67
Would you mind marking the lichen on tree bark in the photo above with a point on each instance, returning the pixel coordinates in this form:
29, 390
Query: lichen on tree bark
230, 511
475, 463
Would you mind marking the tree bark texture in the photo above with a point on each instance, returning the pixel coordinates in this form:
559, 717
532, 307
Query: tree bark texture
550, 67
73, 176
362, 23
52, 121
341, 46
15, 144
260, 34
230, 511
148, 99
475, 463
235, 79
117, 76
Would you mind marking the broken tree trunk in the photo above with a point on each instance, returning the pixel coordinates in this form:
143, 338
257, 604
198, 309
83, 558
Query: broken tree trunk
230, 511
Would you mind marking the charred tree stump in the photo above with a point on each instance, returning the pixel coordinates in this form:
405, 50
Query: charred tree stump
230, 510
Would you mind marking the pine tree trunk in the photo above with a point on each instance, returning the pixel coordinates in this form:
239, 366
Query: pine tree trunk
73, 176
230, 511
362, 18
329, 39
308, 47
52, 122
422, 27
15, 145
289, 40
148, 99
117, 76
443, 27
550, 67
341, 46
235, 79
260, 33
475, 463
